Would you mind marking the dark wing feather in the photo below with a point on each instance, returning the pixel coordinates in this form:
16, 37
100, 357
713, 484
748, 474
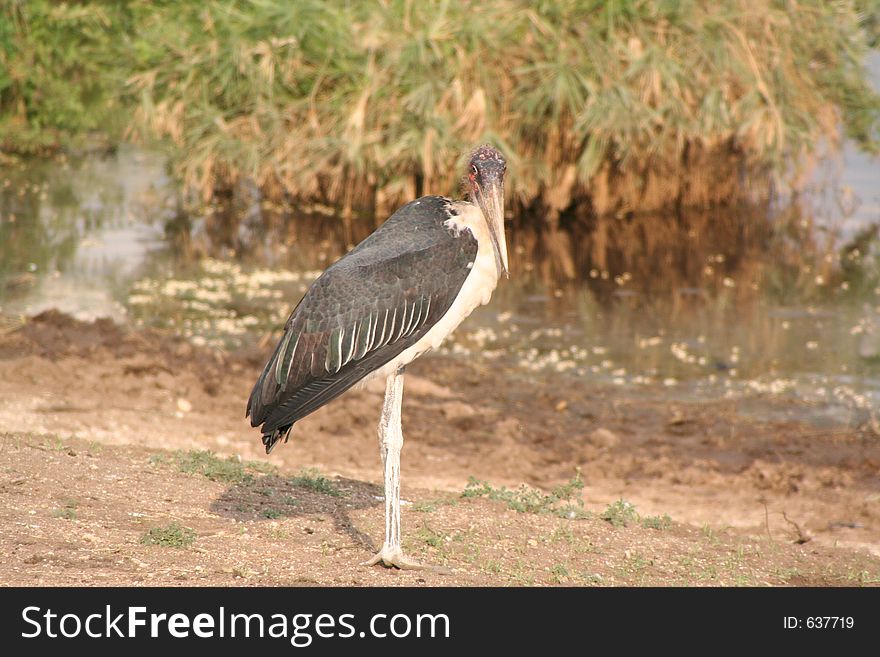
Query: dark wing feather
362, 312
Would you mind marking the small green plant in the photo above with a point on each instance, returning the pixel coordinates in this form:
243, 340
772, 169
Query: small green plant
433, 538
425, 507
787, 573
639, 562
863, 577
172, 536
279, 534
620, 514
230, 469
560, 573
657, 522
561, 501
492, 567
743, 580
709, 534
522, 574
429, 506
271, 513
68, 511
54, 444
563, 534
310, 478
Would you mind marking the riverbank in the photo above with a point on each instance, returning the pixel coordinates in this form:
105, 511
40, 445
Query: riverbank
103, 430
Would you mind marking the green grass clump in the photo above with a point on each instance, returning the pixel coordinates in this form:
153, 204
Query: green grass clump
657, 522
560, 573
171, 536
68, 511
425, 506
230, 469
623, 514
311, 479
430, 537
429, 506
562, 501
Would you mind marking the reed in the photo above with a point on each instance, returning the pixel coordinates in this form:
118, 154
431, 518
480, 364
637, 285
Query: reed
603, 107
623, 106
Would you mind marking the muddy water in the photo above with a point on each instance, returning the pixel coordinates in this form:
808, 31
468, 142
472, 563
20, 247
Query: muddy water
794, 318
73, 233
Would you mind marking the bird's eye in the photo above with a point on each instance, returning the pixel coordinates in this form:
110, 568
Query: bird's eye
474, 170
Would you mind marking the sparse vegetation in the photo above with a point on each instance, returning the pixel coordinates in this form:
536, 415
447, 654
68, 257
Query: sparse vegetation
562, 501
620, 514
425, 506
52, 443
68, 511
623, 514
481, 543
864, 578
230, 469
311, 479
560, 573
431, 537
709, 534
657, 522
171, 536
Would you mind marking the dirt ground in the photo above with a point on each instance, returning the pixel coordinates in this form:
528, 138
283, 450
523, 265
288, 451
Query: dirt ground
102, 427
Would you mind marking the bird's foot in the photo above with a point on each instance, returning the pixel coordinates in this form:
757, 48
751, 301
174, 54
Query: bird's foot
393, 557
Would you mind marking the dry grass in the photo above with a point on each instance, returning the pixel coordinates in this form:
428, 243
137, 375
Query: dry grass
604, 108
627, 106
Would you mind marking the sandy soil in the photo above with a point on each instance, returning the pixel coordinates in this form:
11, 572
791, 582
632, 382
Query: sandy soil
97, 421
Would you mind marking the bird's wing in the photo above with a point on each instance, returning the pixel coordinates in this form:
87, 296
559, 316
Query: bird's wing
363, 312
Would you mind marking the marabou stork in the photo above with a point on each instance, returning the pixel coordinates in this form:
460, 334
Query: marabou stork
394, 296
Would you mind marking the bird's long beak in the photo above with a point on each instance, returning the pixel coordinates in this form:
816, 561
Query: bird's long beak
491, 201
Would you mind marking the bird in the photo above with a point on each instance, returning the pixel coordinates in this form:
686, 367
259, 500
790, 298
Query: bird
394, 296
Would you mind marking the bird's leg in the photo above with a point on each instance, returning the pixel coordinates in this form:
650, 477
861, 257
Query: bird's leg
390, 443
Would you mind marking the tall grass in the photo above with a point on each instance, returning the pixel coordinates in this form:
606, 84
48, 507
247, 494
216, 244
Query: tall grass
62, 70
609, 106
626, 105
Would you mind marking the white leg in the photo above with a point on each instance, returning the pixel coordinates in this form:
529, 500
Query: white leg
390, 444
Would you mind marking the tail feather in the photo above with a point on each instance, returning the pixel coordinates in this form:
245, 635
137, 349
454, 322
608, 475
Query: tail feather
269, 439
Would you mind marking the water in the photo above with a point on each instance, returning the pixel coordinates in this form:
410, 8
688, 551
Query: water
860, 173
74, 233
755, 319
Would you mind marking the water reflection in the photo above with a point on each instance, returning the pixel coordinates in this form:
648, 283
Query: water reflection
73, 231
721, 303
